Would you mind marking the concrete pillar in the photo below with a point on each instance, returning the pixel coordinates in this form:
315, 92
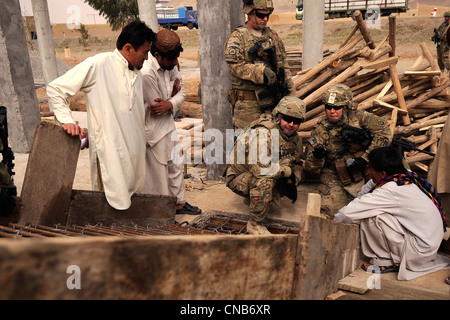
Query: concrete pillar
313, 28
147, 13
217, 19
16, 79
45, 40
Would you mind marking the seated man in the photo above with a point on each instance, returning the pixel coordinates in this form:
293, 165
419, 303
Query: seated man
402, 224
262, 180
401, 220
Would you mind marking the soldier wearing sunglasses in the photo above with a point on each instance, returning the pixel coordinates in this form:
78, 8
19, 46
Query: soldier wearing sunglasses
262, 182
342, 165
250, 66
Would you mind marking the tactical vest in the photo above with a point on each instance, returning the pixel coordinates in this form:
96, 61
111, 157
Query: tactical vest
249, 41
290, 147
442, 31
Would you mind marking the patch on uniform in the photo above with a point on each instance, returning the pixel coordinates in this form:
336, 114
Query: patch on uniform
231, 51
377, 122
332, 98
234, 45
312, 141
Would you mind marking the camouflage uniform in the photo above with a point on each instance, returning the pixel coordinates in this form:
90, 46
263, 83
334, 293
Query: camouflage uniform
443, 50
247, 71
253, 179
336, 192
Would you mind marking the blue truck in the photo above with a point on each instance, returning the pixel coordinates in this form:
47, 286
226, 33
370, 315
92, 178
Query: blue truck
172, 18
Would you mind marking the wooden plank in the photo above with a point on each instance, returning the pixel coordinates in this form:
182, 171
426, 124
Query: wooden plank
154, 267
399, 92
380, 63
422, 73
91, 207
327, 251
48, 181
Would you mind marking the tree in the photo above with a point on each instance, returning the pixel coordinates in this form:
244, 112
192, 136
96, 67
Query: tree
84, 35
116, 12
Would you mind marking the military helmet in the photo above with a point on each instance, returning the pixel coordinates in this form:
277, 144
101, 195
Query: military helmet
250, 5
338, 95
447, 14
290, 106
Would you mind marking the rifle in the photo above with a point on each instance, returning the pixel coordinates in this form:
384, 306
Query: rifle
280, 88
405, 145
435, 38
359, 136
7, 153
363, 138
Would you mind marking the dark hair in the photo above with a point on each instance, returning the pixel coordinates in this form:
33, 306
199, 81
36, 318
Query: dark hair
135, 33
386, 159
171, 54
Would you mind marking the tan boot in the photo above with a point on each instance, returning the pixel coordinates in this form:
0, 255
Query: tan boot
257, 228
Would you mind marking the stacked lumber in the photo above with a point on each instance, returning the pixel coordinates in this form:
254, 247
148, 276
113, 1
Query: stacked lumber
295, 59
414, 102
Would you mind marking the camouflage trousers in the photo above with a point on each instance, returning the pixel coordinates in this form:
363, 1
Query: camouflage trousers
334, 194
443, 56
259, 191
245, 112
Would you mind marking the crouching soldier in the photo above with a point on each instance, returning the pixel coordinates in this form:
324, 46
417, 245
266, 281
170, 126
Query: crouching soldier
338, 148
272, 165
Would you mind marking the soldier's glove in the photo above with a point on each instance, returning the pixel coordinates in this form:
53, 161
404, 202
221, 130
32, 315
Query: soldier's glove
288, 187
320, 153
269, 77
356, 163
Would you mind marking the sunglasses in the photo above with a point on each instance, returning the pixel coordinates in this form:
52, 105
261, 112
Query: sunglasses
290, 119
262, 15
329, 107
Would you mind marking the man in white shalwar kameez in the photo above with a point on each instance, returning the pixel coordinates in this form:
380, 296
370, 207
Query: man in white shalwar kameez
112, 83
401, 222
164, 93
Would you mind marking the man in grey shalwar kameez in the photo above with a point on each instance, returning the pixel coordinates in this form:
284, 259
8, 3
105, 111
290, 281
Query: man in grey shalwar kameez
401, 222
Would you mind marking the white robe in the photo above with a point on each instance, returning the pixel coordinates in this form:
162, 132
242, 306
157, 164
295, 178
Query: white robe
399, 225
164, 176
115, 117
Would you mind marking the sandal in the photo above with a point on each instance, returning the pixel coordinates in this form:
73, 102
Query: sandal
189, 209
371, 268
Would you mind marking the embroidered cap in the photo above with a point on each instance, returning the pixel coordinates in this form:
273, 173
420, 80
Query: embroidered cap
167, 40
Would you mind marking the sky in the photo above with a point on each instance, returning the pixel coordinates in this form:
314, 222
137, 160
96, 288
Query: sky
66, 11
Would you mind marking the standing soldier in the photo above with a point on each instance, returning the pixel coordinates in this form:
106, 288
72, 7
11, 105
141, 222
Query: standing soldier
257, 61
442, 39
339, 146
261, 181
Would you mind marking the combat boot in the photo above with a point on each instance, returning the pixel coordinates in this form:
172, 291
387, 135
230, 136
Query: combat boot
257, 228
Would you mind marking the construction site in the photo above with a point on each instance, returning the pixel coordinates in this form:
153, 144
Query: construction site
65, 242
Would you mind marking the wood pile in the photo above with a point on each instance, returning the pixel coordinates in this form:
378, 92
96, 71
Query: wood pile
295, 57
414, 102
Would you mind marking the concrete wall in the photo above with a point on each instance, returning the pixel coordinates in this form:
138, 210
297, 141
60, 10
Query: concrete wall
17, 91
